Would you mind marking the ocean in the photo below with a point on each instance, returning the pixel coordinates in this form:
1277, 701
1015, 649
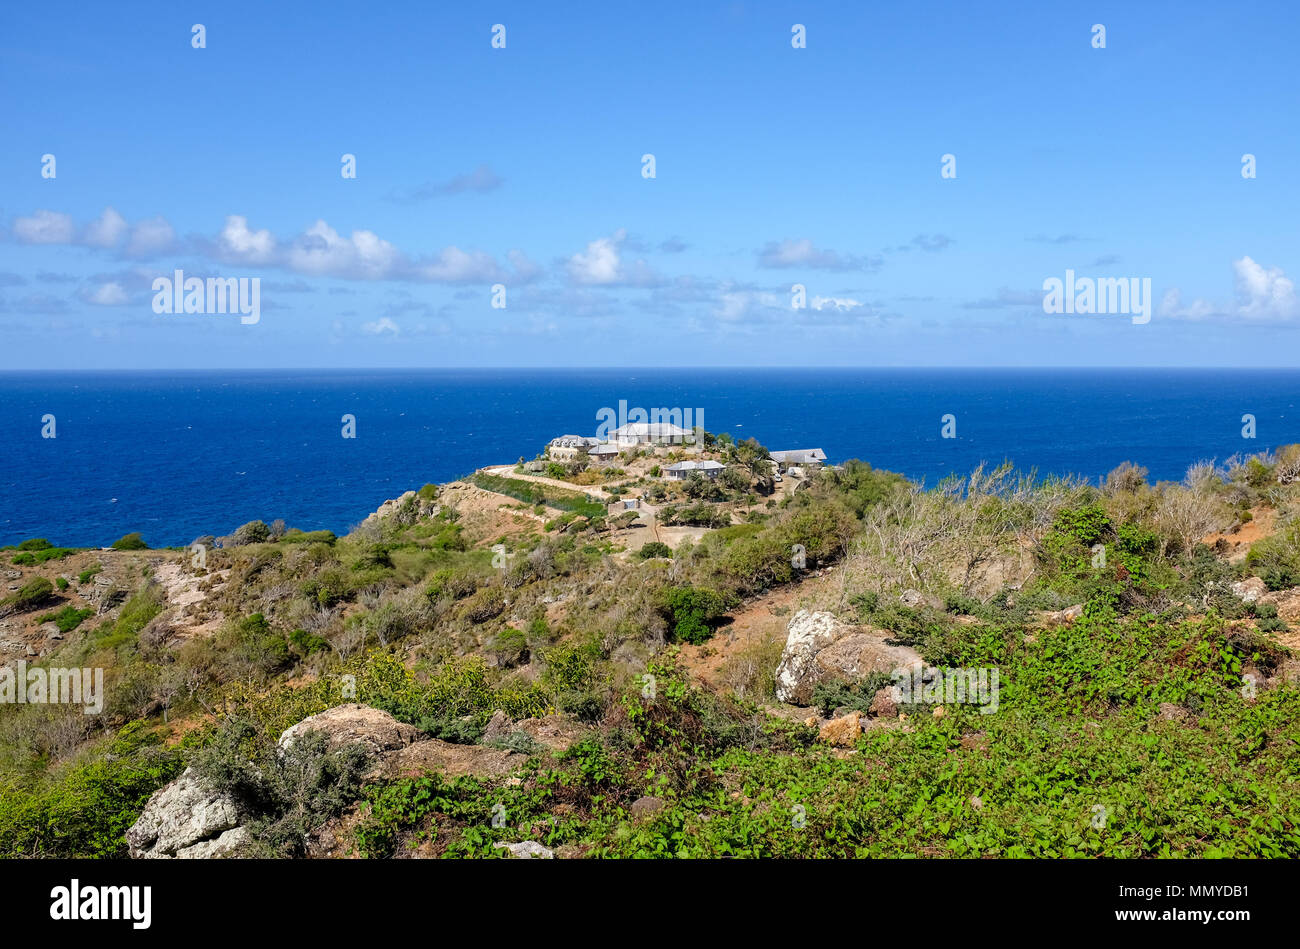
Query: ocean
177, 455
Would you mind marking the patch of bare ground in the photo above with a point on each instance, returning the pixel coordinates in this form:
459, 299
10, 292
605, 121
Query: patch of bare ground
189, 612
486, 516
758, 622
1262, 523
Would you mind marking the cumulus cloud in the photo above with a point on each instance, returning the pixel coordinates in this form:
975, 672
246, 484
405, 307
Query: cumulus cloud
835, 303
1263, 294
105, 294
602, 265
381, 326
106, 231
44, 227
240, 244
803, 253
320, 250
150, 237
454, 265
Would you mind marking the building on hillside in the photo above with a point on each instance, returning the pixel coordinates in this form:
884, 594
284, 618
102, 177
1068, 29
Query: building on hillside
602, 454
684, 469
651, 433
808, 458
570, 447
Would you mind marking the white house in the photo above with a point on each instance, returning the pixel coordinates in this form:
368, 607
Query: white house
803, 457
684, 469
602, 453
570, 447
651, 433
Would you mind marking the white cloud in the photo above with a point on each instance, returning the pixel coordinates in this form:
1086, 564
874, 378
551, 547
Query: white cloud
803, 253
602, 265
454, 265
323, 252
599, 264
835, 303
380, 326
106, 294
1263, 295
105, 231
44, 227
237, 242
1266, 294
150, 236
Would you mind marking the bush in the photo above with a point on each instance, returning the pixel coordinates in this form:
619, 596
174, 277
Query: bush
35, 543
691, 611
85, 809
655, 548
289, 792
68, 618
29, 596
254, 532
130, 542
36, 558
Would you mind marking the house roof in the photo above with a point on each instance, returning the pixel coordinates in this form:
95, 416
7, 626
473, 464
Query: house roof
574, 441
651, 429
696, 466
603, 450
798, 456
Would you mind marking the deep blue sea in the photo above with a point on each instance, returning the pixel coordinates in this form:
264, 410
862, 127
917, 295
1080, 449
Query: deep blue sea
177, 455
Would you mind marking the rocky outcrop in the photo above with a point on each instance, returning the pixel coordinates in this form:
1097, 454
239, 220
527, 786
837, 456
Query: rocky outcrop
527, 850
819, 648
1250, 589
842, 732
354, 724
646, 808
408, 509
187, 820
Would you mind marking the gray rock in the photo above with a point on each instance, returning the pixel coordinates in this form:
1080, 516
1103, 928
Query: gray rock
647, 808
820, 648
527, 850
350, 724
185, 819
1249, 590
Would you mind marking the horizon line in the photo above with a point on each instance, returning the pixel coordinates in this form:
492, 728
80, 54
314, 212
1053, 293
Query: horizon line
818, 368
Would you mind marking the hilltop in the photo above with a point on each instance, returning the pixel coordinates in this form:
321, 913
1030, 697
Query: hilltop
604, 660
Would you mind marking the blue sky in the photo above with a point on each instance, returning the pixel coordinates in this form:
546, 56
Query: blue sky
774, 166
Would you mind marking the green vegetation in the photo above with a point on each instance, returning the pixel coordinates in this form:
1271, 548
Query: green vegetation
30, 595
68, 618
533, 493
130, 542
1107, 611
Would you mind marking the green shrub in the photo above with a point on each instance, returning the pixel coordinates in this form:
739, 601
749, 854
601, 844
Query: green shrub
35, 543
68, 618
42, 556
691, 612
131, 541
254, 532
29, 596
654, 548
